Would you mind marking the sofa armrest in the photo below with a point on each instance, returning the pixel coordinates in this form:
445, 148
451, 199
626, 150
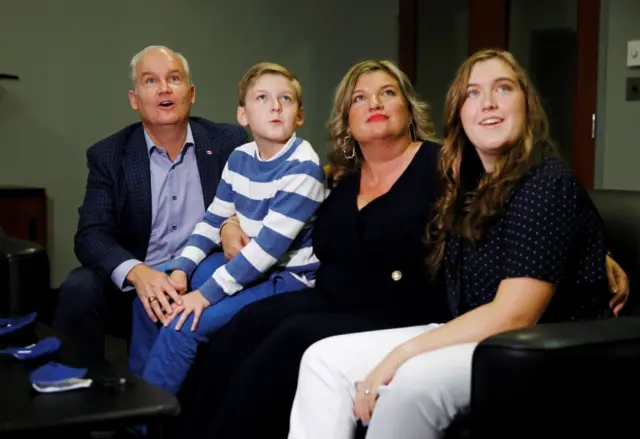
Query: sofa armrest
557, 379
24, 276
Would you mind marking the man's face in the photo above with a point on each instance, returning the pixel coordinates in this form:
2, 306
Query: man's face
163, 94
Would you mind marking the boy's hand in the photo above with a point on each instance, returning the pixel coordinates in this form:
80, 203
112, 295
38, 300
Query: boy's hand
179, 281
233, 239
195, 303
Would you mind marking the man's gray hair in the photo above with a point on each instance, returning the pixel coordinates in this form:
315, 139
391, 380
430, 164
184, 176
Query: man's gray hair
138, 56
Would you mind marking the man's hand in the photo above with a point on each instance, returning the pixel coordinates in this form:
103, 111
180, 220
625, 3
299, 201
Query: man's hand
233, 239
195, 303
153, 287
618, 284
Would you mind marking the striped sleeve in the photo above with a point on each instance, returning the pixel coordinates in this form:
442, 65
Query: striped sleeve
298, 195
206, 235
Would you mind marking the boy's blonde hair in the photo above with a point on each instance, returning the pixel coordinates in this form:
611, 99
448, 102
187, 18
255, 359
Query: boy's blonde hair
266, 68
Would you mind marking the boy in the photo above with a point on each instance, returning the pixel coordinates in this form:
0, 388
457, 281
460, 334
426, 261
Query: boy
273, 186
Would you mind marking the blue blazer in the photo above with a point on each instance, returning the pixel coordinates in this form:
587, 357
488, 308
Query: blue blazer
115, 216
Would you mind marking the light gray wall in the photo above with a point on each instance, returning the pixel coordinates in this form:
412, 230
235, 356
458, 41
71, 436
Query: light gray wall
617, 143
617, 148
527, 16
603, 35
442, 47
72, 57
542, 37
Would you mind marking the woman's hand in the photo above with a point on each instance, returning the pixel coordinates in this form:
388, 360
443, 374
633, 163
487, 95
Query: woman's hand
618, 284
179, 280
233, 239
367, 391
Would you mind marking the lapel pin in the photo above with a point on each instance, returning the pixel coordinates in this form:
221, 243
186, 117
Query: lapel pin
209, 152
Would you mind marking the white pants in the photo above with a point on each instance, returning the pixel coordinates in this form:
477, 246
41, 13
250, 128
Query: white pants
420, 402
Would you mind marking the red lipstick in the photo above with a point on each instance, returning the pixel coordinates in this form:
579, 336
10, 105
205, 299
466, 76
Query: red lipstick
377, 118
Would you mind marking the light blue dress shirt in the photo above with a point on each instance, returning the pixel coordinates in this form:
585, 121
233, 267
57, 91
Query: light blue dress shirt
177, 205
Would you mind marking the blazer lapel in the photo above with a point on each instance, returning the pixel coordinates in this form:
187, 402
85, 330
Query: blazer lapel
138, 180
208, 162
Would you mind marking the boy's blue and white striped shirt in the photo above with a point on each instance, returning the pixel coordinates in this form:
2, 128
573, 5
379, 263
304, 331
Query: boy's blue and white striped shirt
275, 202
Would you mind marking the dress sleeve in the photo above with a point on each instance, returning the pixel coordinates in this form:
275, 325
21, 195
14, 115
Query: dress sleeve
542, 224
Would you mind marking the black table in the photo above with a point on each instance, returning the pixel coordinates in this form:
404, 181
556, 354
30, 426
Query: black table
97, 408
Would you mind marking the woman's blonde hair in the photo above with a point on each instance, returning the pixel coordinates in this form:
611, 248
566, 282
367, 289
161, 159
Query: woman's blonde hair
345, 157
471, 199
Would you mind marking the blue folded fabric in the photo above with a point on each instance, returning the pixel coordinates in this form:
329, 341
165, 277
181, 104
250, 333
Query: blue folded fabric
9, 325
44, 347
53, 372
56, 377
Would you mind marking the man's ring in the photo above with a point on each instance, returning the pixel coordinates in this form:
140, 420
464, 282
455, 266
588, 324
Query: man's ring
366, 392
152, 299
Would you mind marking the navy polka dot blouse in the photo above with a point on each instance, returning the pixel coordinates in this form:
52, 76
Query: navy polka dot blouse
550, 231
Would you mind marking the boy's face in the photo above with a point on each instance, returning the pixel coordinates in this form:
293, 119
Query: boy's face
271, 109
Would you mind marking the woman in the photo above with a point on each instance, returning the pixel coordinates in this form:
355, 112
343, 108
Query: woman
369, 237
519, 242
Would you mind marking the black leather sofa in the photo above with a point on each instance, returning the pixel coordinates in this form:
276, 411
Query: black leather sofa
24, 277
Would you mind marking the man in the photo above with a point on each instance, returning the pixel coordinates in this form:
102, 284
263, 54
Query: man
148, 186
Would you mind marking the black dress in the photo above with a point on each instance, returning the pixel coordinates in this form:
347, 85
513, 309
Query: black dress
551, 231
372, 276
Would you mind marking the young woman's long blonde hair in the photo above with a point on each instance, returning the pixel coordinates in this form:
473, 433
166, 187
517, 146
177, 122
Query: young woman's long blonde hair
471, 199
